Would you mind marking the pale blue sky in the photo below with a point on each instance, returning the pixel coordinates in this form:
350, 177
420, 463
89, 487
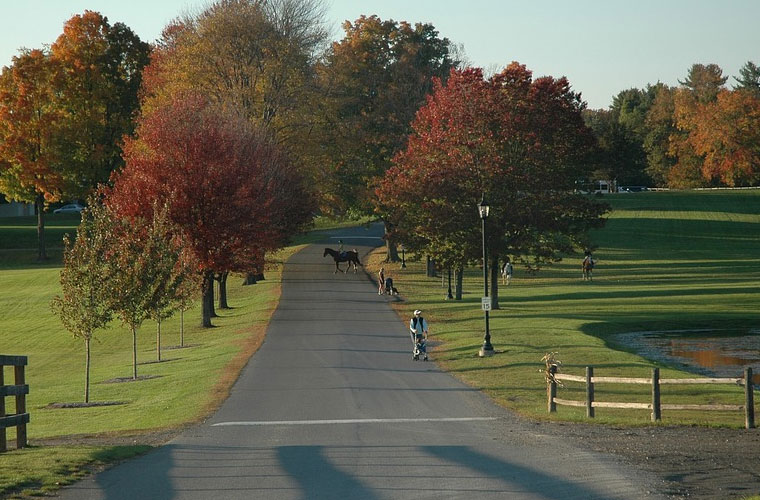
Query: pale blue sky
602, 46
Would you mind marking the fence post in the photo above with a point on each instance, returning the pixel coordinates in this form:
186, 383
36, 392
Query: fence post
3, 442
552, 390
589, 392
656, 414
20, 407
749, 399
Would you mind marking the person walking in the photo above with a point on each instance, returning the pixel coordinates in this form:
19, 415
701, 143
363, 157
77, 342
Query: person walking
506, 272
381, 282
419, 332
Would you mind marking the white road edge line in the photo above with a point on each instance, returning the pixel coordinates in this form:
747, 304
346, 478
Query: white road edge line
354, 421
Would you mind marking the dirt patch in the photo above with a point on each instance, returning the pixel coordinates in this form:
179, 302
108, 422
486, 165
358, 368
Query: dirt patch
90, 404
119, 380
693, 462
158, 361
173, 347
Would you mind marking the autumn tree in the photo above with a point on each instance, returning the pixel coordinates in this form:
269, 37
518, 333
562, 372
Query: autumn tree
232, 193
84, 305
521, 142
31, 120
726, 134
101, 65
250, 56
375, 80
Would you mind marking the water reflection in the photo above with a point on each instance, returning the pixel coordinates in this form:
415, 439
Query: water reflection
717, 353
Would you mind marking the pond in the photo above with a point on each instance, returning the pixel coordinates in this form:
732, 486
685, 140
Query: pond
716, 353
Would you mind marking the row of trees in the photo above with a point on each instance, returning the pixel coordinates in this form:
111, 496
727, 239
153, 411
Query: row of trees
241, 121
130, 268
333, 117
698, 134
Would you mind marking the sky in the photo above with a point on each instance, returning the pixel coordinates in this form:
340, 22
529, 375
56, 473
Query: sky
601, 46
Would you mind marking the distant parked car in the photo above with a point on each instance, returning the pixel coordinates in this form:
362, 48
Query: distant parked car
73, 208
632, 189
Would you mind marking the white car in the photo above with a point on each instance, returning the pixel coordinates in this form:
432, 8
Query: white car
73, 208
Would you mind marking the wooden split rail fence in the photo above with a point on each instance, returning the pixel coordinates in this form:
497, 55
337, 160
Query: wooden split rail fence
19, 390
655, 405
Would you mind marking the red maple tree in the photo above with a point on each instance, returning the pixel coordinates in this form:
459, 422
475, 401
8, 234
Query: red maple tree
231, 191
521, 142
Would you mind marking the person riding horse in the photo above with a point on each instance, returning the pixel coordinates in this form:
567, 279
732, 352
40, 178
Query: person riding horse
350, 256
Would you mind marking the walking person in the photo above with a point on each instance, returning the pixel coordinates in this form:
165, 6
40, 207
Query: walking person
419, 333
381, 281
506, 272
588, 267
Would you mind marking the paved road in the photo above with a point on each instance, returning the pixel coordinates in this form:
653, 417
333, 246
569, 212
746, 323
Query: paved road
332, 406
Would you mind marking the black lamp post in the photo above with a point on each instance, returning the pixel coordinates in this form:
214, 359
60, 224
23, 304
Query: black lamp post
403, 257
483, 208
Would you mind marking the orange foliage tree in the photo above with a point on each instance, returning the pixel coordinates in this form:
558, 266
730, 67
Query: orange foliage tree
31, 120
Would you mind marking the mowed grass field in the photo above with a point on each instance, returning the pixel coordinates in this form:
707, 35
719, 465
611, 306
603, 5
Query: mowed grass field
186, 386
666, 261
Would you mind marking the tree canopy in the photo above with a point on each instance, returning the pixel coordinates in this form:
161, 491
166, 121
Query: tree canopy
374, 79
520, 142
228, 187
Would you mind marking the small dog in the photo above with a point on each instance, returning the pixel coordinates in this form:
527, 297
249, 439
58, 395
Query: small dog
393, 291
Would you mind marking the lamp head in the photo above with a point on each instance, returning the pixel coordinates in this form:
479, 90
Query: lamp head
483, 207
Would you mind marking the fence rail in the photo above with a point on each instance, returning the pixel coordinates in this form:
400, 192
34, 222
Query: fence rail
655, 405
19, 390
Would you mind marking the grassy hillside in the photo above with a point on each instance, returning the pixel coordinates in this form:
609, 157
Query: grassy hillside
666, 260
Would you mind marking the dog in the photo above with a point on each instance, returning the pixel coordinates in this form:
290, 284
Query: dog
391, 291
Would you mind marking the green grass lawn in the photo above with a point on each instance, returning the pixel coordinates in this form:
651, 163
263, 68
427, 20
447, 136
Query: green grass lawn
186, 386
666, 260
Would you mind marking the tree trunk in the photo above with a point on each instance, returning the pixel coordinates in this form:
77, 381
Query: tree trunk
494, 282
134, 353
431, 271
158, 339
460, 278
182, 328
223, 291
250, 279
87, 370
260, 277
39, 204
390, 246
207, 299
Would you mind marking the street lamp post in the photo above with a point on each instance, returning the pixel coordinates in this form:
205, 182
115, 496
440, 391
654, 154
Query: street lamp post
403, 257
487, 348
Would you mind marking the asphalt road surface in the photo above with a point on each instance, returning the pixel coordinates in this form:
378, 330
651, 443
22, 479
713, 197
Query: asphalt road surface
332, 406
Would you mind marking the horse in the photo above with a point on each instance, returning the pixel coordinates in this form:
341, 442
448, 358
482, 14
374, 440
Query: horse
588, 268
350, 256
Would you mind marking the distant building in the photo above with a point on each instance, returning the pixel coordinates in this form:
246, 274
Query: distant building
15, 208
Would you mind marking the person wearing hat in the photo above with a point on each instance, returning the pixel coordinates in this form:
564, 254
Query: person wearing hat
418, 328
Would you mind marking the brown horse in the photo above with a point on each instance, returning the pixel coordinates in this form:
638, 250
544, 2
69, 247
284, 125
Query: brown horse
350, 256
